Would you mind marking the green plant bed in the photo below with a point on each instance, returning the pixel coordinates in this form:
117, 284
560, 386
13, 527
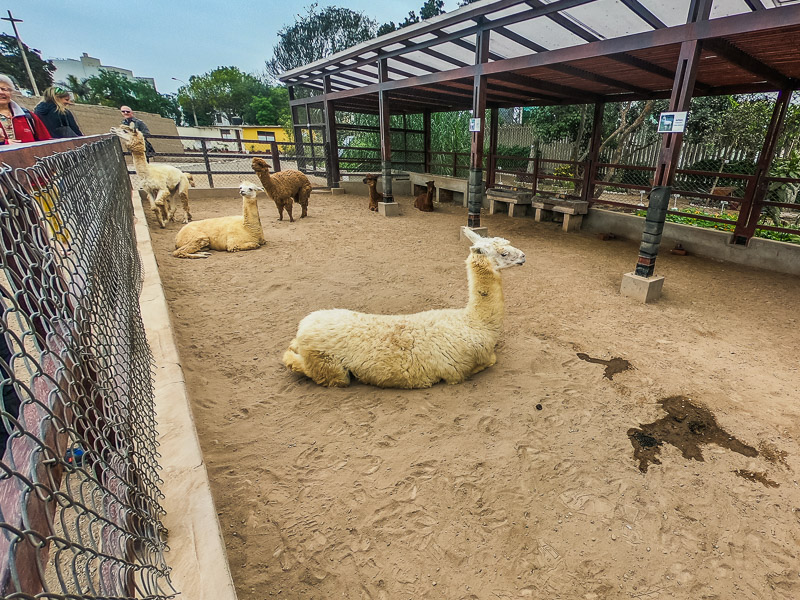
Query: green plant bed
705, 224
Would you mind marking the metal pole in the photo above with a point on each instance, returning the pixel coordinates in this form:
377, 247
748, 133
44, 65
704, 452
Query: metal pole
14, 22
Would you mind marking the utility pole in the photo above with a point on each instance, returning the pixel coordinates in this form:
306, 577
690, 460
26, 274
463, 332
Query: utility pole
14, 22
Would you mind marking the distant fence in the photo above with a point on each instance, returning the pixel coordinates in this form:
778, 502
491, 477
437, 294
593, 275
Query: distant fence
80, 513
214, 166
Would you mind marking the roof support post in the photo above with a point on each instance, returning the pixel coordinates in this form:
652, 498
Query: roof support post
331, 140
590, 168
475, 188
385, 124
426, 141
299, 149
752, 202
667, 160
492, 163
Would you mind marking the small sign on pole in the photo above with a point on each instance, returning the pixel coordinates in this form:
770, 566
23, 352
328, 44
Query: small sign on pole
474, 124
672, 122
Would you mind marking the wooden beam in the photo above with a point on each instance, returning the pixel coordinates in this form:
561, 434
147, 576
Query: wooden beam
644, 14
609, 81
738, 57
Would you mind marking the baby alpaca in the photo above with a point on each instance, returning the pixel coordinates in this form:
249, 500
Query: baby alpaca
416, 350
161, 183
374, 196
223, 233
284, 188
424, 201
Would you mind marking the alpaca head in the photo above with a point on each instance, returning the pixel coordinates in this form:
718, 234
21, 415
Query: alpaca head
260, 166
249, 190
499, 252
371, 180
130, 136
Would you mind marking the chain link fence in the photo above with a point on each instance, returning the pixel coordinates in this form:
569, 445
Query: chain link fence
80, 513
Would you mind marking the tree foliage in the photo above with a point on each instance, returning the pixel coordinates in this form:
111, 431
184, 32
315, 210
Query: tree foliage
110, 88
233, 93
79, 88
318, 34
11, 64
429, 9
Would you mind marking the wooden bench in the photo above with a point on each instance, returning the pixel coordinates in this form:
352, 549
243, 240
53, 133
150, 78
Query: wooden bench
573, 211
512, 201
459, 187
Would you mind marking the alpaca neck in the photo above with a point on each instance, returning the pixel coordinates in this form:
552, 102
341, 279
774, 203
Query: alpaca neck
139, 162
252, 222
485, 292
266, 181
373, 193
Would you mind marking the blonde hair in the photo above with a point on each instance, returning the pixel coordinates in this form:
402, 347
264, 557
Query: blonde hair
56, 95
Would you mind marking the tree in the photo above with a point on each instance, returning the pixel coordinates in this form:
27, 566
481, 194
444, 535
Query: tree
316, 35
110, 88
11, 64
229, 92
79, 88
272, 109
429, 9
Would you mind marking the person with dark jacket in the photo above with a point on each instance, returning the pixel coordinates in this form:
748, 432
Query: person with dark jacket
129, 119
18, 125
54, 112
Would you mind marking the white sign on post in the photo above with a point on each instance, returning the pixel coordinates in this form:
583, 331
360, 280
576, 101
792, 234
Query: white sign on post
672, 122
474, 124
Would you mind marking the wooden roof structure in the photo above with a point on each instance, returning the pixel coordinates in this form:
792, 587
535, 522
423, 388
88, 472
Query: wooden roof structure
544, 52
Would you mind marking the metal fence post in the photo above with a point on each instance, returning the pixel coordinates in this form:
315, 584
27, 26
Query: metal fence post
208, 164
276, 159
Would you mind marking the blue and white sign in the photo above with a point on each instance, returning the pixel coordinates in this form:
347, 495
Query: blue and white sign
672, 122
474, 124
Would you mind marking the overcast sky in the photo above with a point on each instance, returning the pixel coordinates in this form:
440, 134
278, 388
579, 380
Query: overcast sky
173, 38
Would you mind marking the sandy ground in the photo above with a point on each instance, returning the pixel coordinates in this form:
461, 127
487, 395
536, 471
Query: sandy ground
526, 481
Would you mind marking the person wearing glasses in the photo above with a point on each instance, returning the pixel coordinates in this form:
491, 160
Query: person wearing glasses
128, 119
54, 112
19, 125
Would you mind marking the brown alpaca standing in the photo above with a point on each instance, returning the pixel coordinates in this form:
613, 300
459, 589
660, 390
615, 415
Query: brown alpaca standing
424, 201
374, 196
284, 188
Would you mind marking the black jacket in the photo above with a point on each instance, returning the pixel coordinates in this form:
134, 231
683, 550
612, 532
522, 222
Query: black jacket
53, 119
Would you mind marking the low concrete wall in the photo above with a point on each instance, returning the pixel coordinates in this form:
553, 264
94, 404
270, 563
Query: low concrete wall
400, 187
760, 253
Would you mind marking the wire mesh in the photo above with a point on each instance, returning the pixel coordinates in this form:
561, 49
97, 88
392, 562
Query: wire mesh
80, 513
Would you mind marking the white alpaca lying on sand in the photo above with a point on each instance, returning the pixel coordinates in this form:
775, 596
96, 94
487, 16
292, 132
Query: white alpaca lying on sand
411, 351
235, 233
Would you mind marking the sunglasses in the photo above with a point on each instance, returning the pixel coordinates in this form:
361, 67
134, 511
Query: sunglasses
125, 111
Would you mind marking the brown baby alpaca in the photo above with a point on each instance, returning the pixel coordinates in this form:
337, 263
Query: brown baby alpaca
284, 187
374, 196
424, 201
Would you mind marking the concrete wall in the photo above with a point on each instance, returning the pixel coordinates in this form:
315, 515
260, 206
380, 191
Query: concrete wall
94, 119
759, 253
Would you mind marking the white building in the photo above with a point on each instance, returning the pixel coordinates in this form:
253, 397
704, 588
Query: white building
89, 66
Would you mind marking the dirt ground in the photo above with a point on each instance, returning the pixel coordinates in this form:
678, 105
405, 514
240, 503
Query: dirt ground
562, 472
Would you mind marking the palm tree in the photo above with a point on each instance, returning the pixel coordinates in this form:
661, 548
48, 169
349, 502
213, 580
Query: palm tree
78, 87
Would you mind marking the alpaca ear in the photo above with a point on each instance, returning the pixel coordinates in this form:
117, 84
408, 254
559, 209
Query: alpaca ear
469, 234
476, 250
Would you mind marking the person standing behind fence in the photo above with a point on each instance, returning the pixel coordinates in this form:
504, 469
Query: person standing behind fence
129, 119
19, 124
54, 112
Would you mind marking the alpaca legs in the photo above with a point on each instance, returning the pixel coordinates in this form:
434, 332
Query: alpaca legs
302, 200
192, 249
160, 208
243, 246
319, 366
184, 196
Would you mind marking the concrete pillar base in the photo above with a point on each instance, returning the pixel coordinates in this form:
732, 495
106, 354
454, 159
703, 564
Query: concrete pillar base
338, 191
644, 289
388, 209
481, 231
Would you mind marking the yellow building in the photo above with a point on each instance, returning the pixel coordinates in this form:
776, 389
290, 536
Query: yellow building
262, 133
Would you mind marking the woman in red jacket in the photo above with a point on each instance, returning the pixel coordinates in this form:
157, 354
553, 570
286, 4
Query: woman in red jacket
19, 125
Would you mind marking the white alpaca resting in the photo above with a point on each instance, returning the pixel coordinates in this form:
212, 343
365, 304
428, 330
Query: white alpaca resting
161, 183
235, 233
416, 350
